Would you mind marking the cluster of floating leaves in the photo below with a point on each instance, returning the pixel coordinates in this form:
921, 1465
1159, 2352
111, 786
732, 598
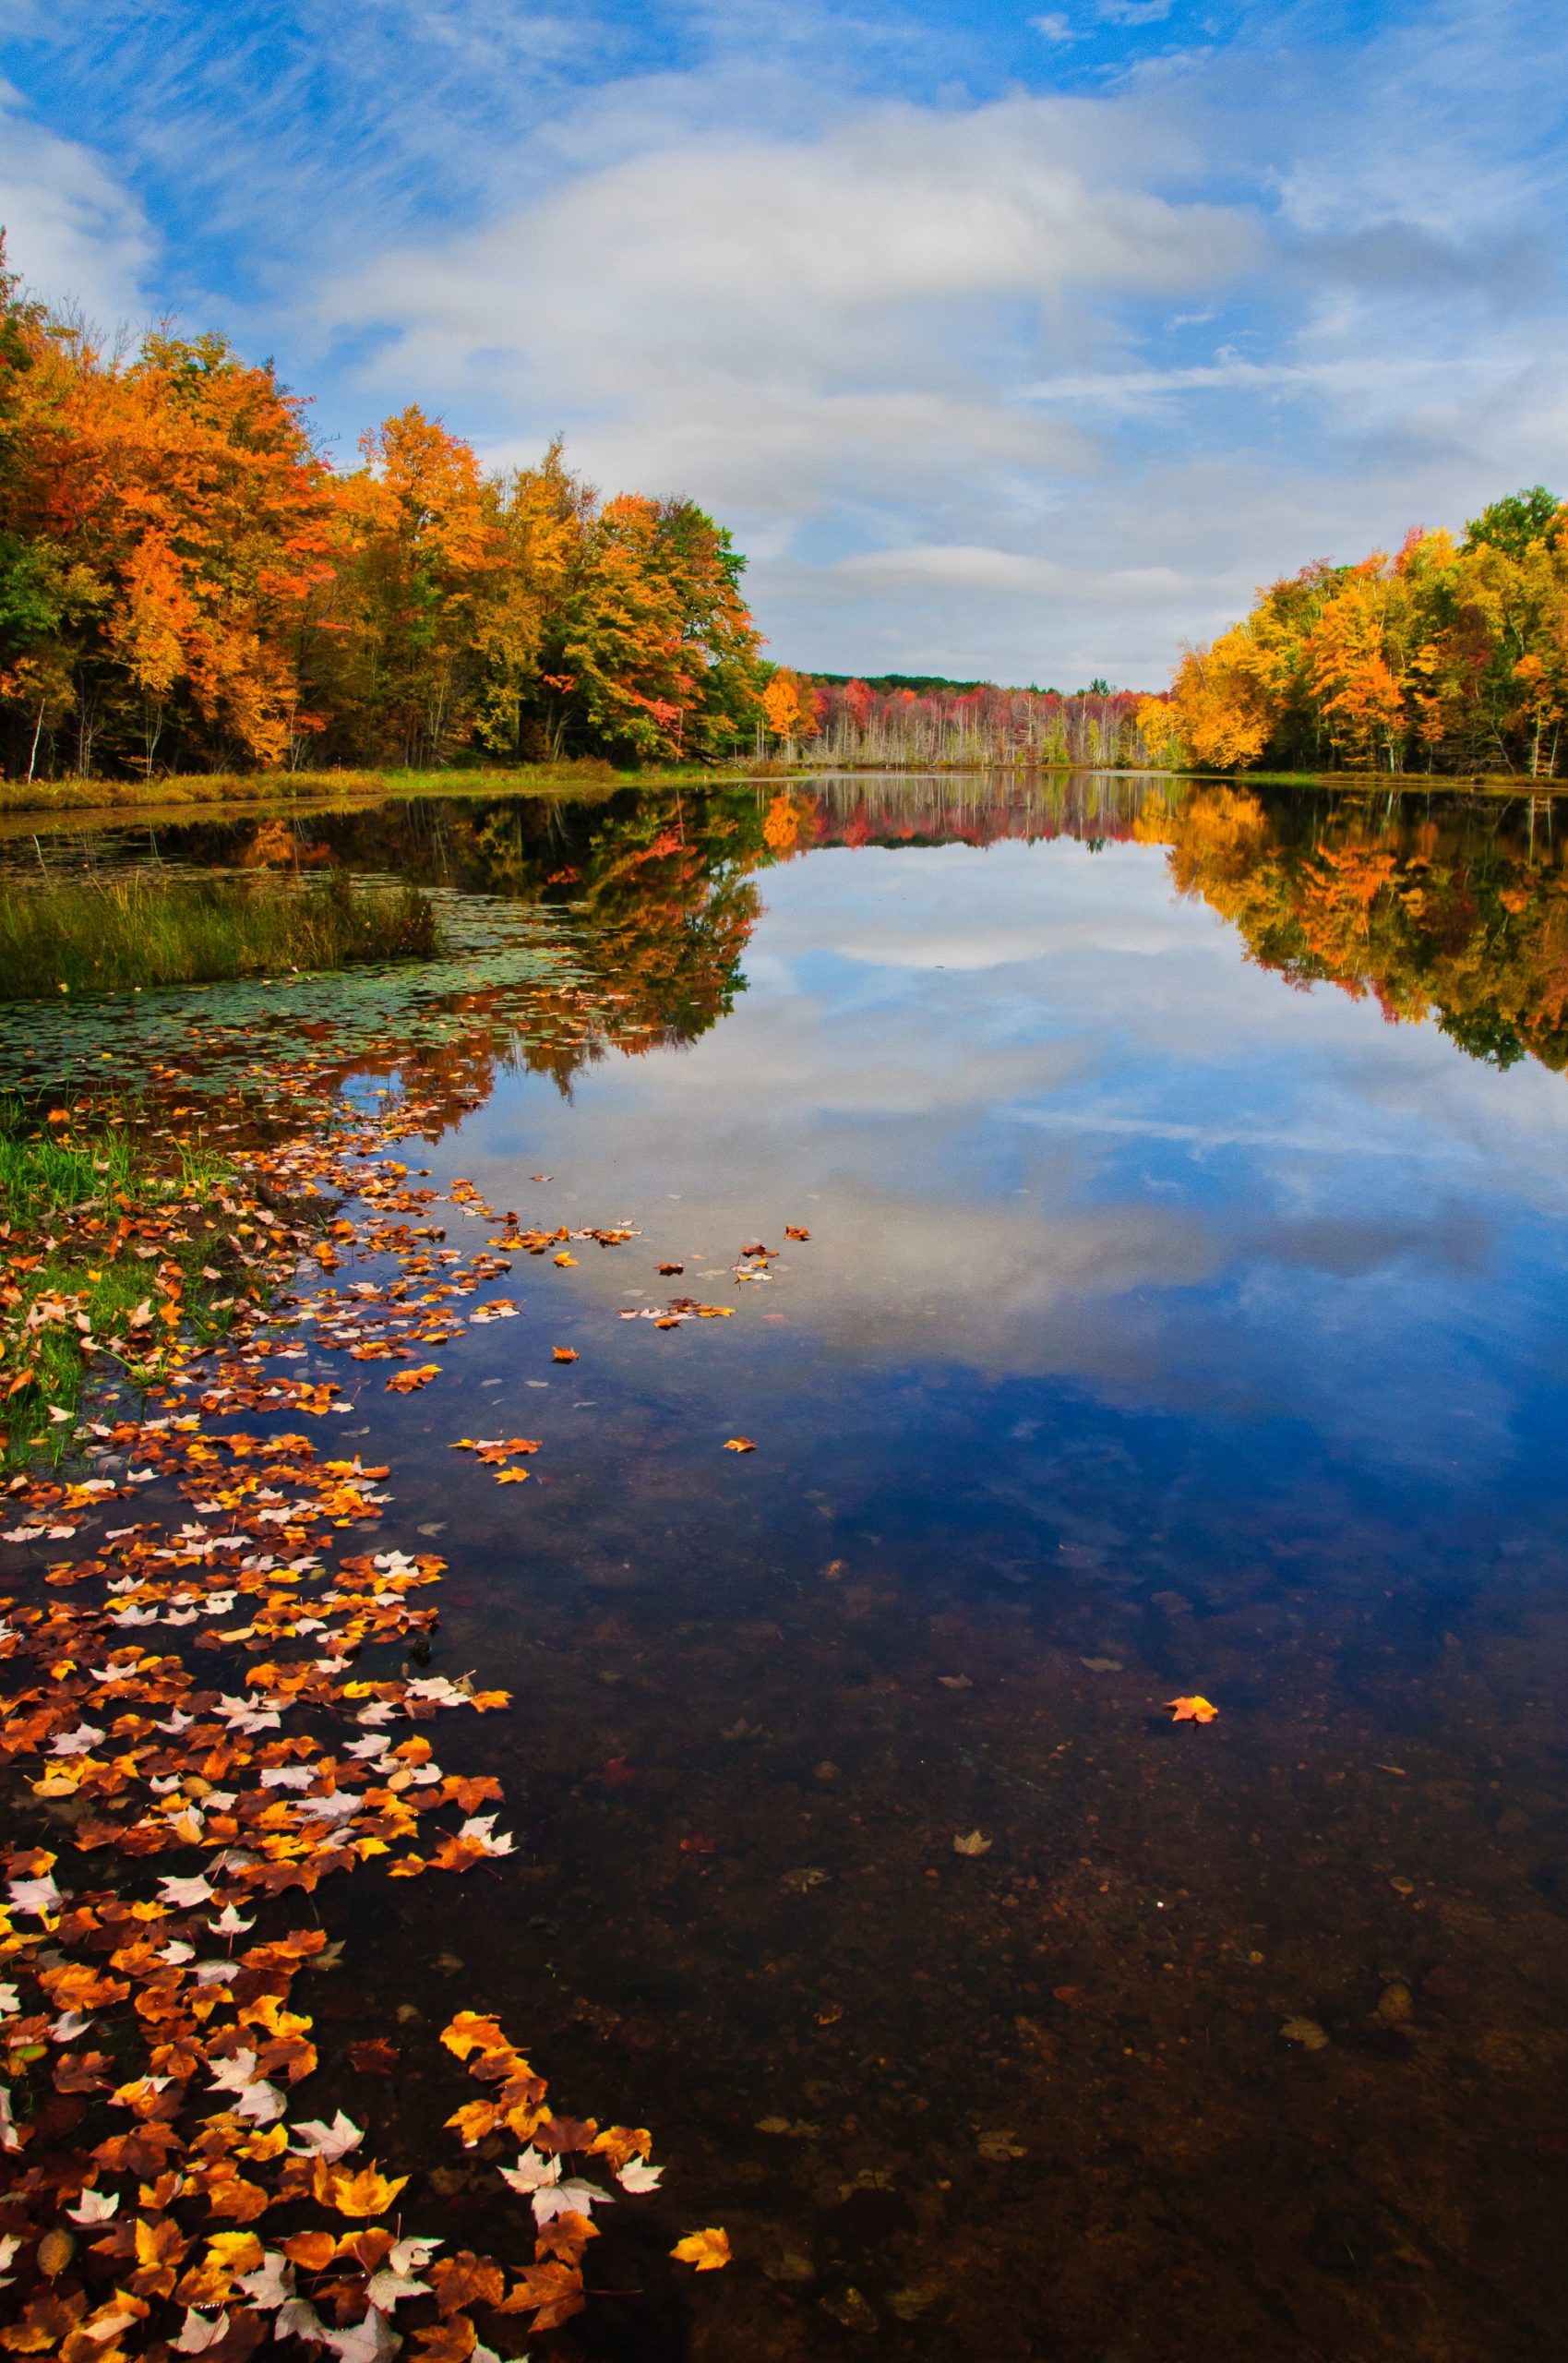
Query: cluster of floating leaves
152, 2045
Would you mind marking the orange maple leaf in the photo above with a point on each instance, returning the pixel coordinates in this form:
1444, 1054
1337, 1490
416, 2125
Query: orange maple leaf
469, 2032
369, 2192
1192, 1711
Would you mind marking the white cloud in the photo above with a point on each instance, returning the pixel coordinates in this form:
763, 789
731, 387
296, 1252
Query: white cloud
773, 254
1054, 27
834, 328
71, 228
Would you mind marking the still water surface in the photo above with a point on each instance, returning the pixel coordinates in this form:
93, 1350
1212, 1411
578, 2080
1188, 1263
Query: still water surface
1171, 1320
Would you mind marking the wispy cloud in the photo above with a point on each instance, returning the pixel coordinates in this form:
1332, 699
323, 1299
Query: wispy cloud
71, 227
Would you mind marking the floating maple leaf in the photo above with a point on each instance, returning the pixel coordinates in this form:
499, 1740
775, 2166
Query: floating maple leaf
740, 1444
1192, 1711
318, 2140
707, 2251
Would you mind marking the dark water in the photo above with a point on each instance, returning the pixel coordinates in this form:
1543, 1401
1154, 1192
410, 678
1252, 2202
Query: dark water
1184, 1311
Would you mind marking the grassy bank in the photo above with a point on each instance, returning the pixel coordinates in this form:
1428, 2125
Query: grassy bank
202, 791
144, 927
108, 1249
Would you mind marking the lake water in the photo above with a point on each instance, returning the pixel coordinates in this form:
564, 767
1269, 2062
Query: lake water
1184, 1309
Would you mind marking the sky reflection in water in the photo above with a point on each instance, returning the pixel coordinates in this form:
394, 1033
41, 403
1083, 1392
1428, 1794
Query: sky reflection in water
1059, 1140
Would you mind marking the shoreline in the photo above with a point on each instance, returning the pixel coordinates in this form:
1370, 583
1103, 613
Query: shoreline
23, 804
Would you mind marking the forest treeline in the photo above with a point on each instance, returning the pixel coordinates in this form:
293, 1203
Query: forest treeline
944, 724
187, 583
1450, 656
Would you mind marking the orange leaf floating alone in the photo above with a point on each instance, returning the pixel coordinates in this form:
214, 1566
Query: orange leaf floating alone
707, 2251
1192, 1711
793, 1230
565, 1353
406, 1382
740, 1444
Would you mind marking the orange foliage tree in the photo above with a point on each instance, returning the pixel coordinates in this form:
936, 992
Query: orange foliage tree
185, 580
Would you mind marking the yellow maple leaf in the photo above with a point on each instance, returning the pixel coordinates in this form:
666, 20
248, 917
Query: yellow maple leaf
1192, 1711
471, 2032
234, 2251
707, 2251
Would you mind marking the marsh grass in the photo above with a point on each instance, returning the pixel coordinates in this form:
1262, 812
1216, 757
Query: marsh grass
144, 927
78, 1201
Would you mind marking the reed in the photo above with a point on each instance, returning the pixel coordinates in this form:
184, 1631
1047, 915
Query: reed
143, 927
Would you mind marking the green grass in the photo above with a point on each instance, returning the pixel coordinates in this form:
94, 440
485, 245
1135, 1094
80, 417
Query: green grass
144, 927
77, 1201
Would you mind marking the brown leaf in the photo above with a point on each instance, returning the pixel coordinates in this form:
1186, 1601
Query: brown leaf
466, 2280
375, 2056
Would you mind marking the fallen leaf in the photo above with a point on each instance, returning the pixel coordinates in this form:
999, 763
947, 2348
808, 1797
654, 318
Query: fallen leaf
368, 2192
707, 2251
740, 1444
1192, 1711
1306, 2032
564, 1353
973, 1844
375, 2056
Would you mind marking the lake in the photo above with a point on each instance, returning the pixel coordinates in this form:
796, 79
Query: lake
1165, 1294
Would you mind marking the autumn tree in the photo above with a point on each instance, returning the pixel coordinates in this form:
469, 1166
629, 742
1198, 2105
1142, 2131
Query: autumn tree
1443, 657
167, 524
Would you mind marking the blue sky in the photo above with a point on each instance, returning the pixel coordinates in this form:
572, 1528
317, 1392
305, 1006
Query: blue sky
1011, 341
